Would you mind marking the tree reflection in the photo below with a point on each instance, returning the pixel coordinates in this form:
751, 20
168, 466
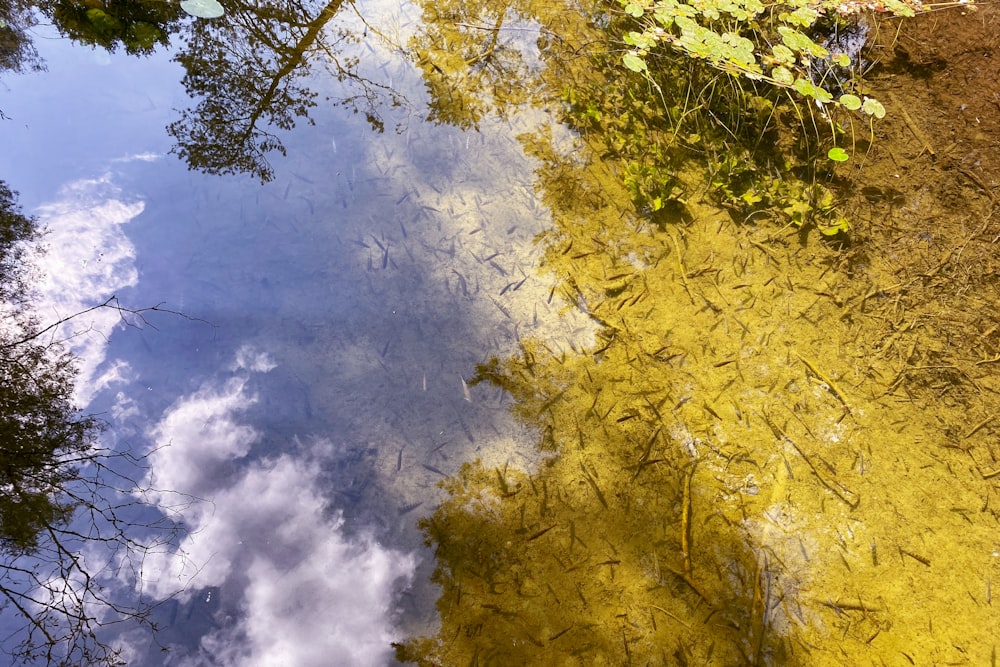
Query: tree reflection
138, 26
67, 509
248, 70
471, 61
17, 53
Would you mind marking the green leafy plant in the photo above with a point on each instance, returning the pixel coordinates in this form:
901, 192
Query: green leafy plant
781, 72
749, 192
625, 123
838, 154
773, 43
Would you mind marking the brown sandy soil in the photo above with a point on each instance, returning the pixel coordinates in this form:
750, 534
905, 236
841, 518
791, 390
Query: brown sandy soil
926, 214
928, 222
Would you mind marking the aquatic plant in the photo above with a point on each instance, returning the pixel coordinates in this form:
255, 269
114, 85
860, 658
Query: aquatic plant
779, 85
779, 44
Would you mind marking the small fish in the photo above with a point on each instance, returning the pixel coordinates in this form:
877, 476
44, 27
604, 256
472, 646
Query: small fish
501, 308
462, 283
406, 509
465, 429
465, 390
431, 468
540, 533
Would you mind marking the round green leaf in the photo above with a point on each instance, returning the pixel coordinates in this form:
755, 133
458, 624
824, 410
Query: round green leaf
203, 9
783, 76
851, 102
809, 89
783, 54
634, 62
873, 108
838, 154
633, 9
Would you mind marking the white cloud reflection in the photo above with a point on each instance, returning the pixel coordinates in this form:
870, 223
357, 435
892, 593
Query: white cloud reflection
296, 590
87, 258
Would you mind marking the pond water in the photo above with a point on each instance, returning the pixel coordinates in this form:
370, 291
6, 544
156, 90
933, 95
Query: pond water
695, 443
314, 390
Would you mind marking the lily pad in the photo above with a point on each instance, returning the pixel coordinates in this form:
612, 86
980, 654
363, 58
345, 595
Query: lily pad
873, 108
634, 62
203, 9
635, 10
838, 154
852, 102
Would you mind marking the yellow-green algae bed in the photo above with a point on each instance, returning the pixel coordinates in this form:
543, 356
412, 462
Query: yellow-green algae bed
780, 451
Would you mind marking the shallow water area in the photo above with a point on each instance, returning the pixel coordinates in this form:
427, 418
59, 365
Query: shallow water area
396, 286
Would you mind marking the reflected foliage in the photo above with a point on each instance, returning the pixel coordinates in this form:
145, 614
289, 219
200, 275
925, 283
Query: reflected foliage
249, 71
39, 431
38, 426
246, 70
61, 494
16, 230
137, 26
17, 53
475, 59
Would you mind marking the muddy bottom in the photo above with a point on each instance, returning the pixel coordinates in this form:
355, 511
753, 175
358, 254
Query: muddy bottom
779, 452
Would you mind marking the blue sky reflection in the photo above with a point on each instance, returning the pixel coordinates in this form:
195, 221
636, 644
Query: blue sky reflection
298, 427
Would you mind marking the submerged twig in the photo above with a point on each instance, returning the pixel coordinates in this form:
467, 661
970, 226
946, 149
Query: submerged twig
914, 128
827, 381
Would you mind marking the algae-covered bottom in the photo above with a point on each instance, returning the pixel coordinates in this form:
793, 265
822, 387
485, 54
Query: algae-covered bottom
778, 452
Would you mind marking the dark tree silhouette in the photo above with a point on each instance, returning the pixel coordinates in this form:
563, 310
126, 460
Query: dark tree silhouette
73, 529
17, 53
